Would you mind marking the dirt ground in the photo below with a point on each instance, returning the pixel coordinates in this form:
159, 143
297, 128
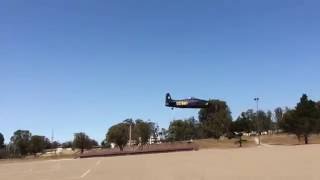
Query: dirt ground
284, 139
264, 162
276, 139
225, 143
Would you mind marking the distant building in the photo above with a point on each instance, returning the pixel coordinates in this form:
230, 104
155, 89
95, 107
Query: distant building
154, 140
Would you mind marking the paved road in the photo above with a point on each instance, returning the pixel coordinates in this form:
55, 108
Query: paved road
276, 162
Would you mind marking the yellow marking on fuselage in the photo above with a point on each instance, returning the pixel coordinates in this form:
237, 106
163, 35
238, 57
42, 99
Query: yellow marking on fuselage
182, 103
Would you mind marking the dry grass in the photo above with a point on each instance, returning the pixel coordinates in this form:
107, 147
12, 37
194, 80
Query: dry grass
279, 139
31, 158
224, 144
284, 139
62, 156
148, 149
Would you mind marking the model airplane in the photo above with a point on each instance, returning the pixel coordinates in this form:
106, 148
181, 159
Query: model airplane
185, 103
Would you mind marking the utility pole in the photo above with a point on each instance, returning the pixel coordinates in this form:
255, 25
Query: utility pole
52, 139
52, 135
130, 135
258, 120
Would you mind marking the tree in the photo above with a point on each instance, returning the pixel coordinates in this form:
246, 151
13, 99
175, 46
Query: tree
82, 141
243, 123
142, 131
54, 145
154, 129
278, 115
21, 140
318, 122
118, 134
303, 120
290, 123
1, 141
177, 130
163, 135
195, 128
37, 144
67, 144
105, 144
187, 129
47, 143
94, 143
215, 119
308, 115
264, 121
129, 121
249, 121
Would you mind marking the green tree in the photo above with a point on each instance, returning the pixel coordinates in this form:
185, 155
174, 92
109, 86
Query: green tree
94, 143
303, 120
215, 119
21, 140
195, 128
177, 130
105, 144
82, 141
142, 131
1, 140
249, 121
129, 122
318, 122
243, 123
47, 143
154, 129
118, 134
187, 129
264, 121
54, 145
67, 144
318, 104
37, 144
278, 115
290, 123
308, 115
163, 134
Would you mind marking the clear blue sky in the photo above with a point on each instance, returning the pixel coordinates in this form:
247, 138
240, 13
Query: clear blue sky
84, 65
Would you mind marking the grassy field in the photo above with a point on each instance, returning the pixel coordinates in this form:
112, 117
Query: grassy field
223, 144
279, 139
63, 155
284, 139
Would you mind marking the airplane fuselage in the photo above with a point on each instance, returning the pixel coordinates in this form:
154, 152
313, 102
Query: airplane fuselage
186, 103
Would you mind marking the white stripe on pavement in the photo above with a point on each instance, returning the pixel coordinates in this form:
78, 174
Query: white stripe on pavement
86, 173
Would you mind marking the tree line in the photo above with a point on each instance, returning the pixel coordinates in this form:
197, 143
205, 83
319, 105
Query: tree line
216, 121
23, 143
141, 132
213, 122
303, 120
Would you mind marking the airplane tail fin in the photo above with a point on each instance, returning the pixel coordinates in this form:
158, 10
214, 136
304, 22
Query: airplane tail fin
168, 99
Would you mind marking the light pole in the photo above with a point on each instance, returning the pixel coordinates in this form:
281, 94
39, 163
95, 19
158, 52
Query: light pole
130, 135
258, 121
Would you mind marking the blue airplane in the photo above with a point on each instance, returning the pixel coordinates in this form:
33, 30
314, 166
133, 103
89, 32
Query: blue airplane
186, 103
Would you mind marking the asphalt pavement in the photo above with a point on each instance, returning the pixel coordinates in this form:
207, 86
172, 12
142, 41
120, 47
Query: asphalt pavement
276, 162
